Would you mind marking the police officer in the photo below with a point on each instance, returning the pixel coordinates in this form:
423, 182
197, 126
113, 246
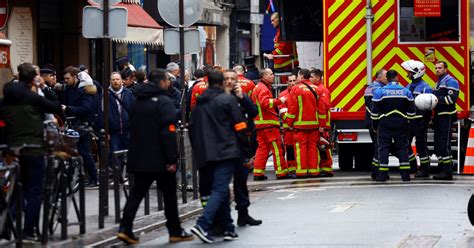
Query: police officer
379, 82
419, 124
447, 91
392, 107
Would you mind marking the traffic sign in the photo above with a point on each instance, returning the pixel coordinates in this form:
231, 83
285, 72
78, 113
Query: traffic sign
3, 13
171, 41
169, 11
93, 22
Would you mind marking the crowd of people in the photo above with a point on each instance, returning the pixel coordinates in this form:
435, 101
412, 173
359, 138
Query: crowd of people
235, 123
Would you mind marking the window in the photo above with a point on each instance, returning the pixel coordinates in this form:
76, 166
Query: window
439, 29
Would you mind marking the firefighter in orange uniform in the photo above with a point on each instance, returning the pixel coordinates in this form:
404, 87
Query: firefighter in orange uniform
197, 90
325, 154
282, 48
246, 84
268, 128
304, 111
287, 131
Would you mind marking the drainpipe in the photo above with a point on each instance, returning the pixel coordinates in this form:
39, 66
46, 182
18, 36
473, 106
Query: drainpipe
369, 17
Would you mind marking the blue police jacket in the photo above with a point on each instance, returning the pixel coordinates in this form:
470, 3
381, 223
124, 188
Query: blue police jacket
393, 106
368, 94
416, 88
447, 92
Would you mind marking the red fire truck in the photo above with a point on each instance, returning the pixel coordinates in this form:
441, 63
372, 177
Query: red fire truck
362, 36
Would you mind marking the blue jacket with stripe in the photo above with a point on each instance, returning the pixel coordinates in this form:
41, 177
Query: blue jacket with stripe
393, 106
447, 92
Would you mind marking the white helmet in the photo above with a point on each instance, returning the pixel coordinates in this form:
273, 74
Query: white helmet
416, 67
426, 101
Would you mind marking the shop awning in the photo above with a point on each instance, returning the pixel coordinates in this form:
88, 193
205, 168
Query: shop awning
142, 28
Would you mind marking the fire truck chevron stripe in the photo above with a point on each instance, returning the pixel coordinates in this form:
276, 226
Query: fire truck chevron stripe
343, 15
384, 47
335, 6
451, 52
358, 38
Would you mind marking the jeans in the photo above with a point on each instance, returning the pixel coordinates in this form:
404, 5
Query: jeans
167, 184
32, 177
84, 148
118, 142
218, 203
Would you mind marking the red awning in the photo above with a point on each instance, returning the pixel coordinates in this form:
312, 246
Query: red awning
137, 16
142, 28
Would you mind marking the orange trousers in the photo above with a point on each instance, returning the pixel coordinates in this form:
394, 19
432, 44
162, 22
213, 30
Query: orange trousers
269, 140
306, 152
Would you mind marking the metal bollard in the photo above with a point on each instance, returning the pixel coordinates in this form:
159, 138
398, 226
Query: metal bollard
116, 169
103, 187
63, 191
182, 163
19, 208
82, 199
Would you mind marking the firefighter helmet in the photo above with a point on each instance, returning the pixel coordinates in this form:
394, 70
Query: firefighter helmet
426, 101
416, 67
323, 144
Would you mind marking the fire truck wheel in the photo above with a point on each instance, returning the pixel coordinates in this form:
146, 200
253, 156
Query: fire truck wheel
346, 157
470, 210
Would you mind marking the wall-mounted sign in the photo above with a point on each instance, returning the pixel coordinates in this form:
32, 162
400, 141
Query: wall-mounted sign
430, 54
20, 32
3, 13
427, 8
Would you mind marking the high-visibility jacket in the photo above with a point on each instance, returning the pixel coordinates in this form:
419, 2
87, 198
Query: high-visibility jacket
266, 104
305, 111
325, 97
287, 134
246, 84
198, 89
284, 48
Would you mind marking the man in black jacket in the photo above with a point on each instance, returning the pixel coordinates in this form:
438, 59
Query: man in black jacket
241, 172
24, 112
153, 155
79, 100
215, 123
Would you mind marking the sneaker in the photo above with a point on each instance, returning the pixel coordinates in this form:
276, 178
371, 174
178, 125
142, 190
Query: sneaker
30, 239
183, 236
230, 236
202, 235
92, 184
127, 237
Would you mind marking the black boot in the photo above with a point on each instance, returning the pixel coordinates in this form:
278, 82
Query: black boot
382, 176
445, 174
375, 172
245, 219
413, 166
424, 171
405, 175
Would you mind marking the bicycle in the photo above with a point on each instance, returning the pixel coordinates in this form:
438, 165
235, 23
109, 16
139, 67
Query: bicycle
11, 189
65, 177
